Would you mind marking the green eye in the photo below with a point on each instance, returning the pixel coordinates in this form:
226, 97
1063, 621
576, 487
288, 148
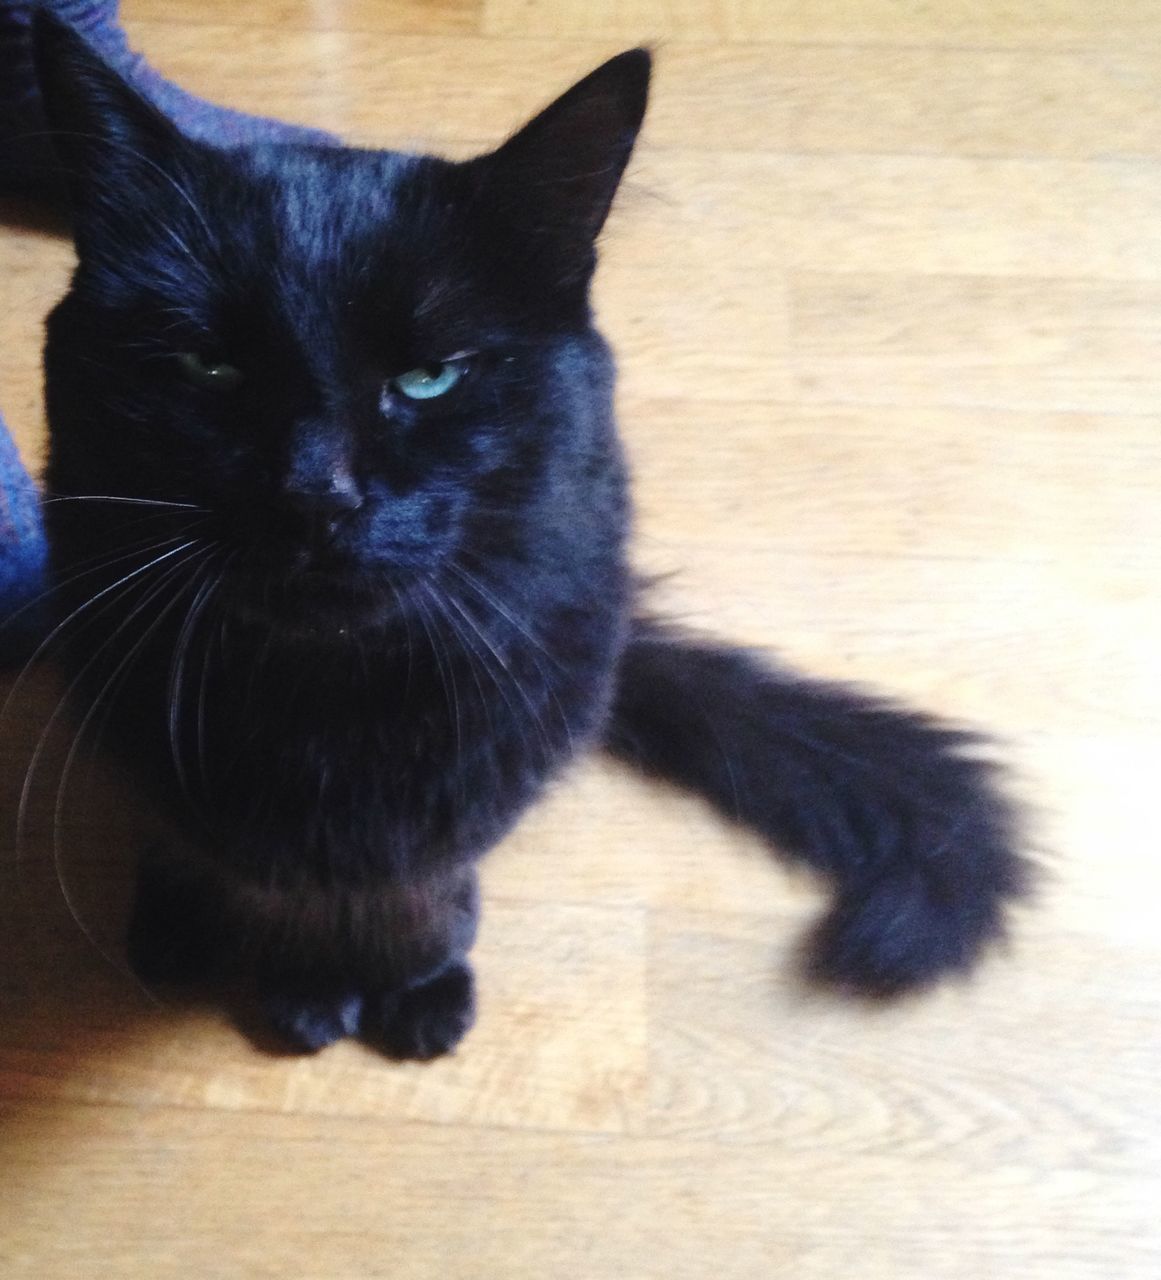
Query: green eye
208, 373
429, 381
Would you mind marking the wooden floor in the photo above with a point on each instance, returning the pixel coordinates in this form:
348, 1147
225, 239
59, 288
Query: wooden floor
886, 287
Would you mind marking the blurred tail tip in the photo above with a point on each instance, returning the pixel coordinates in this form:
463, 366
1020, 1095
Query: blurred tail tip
897, 937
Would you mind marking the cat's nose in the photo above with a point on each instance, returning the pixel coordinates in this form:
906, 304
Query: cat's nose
331, 503
320, 509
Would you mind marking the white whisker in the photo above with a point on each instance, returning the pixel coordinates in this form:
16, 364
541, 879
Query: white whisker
45, 644
42, 742
107, 690
109, 497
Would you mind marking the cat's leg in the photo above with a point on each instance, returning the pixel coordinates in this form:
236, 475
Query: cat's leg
421, 1021
430, 1012
386, 962
307, 967
302, 948
176, 926
27, 164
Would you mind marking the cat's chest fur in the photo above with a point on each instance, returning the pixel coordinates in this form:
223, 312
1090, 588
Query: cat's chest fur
378, 755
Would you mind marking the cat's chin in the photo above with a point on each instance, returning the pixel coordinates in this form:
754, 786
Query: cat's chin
318, 608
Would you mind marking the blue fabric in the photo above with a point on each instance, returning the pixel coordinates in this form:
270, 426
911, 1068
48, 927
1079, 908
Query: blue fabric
22, 555
28, 166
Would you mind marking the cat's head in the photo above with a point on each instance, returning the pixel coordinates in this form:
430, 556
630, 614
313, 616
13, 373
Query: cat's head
360, 364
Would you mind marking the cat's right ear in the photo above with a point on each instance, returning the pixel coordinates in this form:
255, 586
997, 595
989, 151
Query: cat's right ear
553, 181
113, 145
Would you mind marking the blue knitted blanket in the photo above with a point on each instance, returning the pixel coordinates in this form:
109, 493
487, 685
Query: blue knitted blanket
22, 556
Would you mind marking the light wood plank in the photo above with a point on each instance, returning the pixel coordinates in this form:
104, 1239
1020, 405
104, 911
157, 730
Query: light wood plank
908, 478
36, 268
487, 1203
921, 215
390, 89
883, 286
990, 23
392, 17
780, 1073
1073, 345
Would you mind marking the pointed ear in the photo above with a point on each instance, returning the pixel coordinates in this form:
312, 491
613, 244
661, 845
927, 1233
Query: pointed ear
109, 139
555, 179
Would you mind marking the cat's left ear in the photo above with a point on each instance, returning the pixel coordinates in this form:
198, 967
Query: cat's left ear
113, 144
555, 179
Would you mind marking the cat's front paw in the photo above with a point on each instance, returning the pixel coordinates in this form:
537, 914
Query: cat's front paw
308, 1023
426, 1021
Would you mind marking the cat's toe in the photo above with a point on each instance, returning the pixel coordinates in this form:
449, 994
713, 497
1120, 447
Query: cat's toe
307, 1024
424, 1022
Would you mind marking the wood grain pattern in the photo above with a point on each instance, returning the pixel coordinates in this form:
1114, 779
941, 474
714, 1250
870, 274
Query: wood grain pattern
394, 17
389, 85
992, 23
378, 1202
884, 285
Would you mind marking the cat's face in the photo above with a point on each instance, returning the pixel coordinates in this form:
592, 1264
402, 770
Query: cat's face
353, 365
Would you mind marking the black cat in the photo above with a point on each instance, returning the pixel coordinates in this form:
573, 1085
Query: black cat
339, 516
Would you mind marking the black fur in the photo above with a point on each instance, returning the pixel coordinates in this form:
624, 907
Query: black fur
381, 624
898, 811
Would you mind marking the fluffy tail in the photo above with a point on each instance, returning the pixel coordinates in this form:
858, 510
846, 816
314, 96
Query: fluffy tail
898, 811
